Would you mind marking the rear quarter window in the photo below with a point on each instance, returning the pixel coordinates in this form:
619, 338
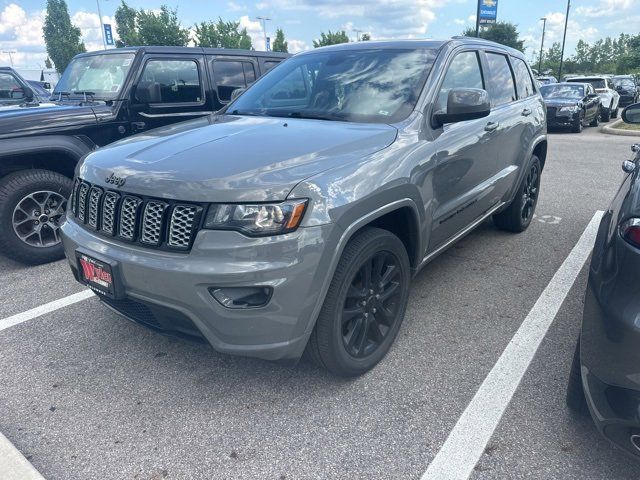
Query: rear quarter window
524, 82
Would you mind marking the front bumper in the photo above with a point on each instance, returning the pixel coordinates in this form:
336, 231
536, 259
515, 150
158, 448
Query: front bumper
174, 287
610, 342
563, 121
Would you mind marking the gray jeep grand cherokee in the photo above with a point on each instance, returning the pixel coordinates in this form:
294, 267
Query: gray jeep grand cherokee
295, 218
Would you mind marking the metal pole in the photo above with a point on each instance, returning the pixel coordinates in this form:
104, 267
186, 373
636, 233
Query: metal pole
544, 25
10, 52
564, 37
478, 20
104, 40
264, 29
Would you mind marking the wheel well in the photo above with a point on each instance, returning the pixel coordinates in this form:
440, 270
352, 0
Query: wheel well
540, 151
54, 160
402, 223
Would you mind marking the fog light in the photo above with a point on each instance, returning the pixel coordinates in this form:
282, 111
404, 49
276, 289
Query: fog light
242, 297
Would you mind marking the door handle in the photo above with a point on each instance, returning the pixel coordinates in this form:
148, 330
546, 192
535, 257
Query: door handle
491, 126
526, 112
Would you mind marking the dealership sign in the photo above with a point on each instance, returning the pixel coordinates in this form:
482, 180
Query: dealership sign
108, 34
488, 11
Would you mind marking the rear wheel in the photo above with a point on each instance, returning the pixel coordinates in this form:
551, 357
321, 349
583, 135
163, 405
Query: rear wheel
575, 399
605, 114
32, 204
596, 120
365, 304
518, 215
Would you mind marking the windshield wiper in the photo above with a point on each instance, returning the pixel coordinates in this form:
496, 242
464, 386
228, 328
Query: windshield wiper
60, 94
248, 114
86, 94
317, 116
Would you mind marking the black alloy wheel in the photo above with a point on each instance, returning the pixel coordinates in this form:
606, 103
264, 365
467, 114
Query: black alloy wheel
371, 305
530, 193
577, 128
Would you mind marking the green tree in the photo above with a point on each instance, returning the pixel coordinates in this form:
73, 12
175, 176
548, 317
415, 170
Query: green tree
505, 33
365, 37
222, 34
629, 62
125, 17
279, 44
331, 38
552, 59
47, 63
161, 28
61, 37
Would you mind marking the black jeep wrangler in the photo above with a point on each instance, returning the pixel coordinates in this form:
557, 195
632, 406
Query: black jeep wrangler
102, 97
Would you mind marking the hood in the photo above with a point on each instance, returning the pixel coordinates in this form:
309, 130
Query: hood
33, 118
561, 102
232, 158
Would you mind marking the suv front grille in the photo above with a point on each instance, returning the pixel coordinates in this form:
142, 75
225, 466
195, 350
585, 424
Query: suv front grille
147, 221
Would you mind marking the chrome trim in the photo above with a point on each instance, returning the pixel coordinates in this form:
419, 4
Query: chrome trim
459, 235
176, 114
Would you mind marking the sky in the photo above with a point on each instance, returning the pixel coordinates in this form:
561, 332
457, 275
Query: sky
303, 20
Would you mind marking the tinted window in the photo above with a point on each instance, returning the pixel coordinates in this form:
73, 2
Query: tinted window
179, 80
595, 82
269, 64
524, 82
230, 75
500, 80
464, 72
9, 87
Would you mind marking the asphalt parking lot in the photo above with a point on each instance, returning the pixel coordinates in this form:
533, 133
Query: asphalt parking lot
84, 394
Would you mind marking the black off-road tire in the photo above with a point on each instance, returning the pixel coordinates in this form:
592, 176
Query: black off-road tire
326, 347
596, 120
13, 188
614, 113
575, 399
511, 219
605, 114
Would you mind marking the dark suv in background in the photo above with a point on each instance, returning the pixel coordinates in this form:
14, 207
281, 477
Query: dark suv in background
296, 217
102, 97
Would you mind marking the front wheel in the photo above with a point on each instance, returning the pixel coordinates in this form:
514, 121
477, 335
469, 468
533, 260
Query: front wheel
614, 113
577, 128
596, 119
518, 215
32, 205
605, 114
365, 304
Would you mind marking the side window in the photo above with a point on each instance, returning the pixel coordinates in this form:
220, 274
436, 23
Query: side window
464, 72
9, 87
179, 80
524, 82
231, 75
268, 65
500, 81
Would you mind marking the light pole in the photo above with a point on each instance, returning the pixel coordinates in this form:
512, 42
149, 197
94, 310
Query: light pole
564, 38
544, 25
264, 30
104, 40
10, 53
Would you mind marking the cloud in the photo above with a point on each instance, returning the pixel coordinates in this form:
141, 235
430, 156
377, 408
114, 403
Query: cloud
606, 8
296, 46
254, 29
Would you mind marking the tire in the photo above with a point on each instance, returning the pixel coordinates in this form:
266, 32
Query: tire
513, 218
337, 336
575, 399
577, 128
605, 115
614, 112
22, 195
596, 120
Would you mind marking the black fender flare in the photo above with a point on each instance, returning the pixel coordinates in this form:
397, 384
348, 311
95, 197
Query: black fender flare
73, 146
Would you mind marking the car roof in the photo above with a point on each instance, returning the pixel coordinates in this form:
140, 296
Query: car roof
418, 43
187, 50
590, 77
572, 84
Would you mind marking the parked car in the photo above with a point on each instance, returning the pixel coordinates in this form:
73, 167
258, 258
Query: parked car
14, 90
571, 105
102, 97
546, 80
605, 374
295, 218
609, 97
42, 90
625, 85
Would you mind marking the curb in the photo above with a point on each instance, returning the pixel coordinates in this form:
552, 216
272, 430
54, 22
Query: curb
13, 465
612, 130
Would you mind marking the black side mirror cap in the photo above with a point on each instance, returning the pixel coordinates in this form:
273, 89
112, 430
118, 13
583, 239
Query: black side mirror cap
148, 92
631, 114
27, 94
46, 86
464, 104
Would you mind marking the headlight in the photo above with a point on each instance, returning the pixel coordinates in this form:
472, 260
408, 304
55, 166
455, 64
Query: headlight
258, 219
570, 109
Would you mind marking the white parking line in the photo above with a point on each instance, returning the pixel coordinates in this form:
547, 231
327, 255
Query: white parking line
13, 465
468, 439
46, 308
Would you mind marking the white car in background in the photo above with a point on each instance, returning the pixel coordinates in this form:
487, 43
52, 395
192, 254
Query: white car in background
605, 89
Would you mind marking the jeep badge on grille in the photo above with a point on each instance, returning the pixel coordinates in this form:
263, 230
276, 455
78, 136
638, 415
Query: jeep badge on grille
115, 180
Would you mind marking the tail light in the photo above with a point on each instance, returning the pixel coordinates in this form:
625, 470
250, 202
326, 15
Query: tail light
630, 231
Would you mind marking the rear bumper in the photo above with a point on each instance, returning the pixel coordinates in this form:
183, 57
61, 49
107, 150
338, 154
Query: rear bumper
626, 100
171, 291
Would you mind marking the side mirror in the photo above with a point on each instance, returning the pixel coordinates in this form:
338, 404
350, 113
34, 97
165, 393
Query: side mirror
46, 86
237, 92
148, 92
27, 94
631, 114
465, 104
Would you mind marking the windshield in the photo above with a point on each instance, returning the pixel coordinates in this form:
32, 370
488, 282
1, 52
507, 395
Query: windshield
562, 91
595, 82
623, 82
373, 86
102, 75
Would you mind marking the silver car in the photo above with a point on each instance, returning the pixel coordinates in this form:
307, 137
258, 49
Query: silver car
295, 218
